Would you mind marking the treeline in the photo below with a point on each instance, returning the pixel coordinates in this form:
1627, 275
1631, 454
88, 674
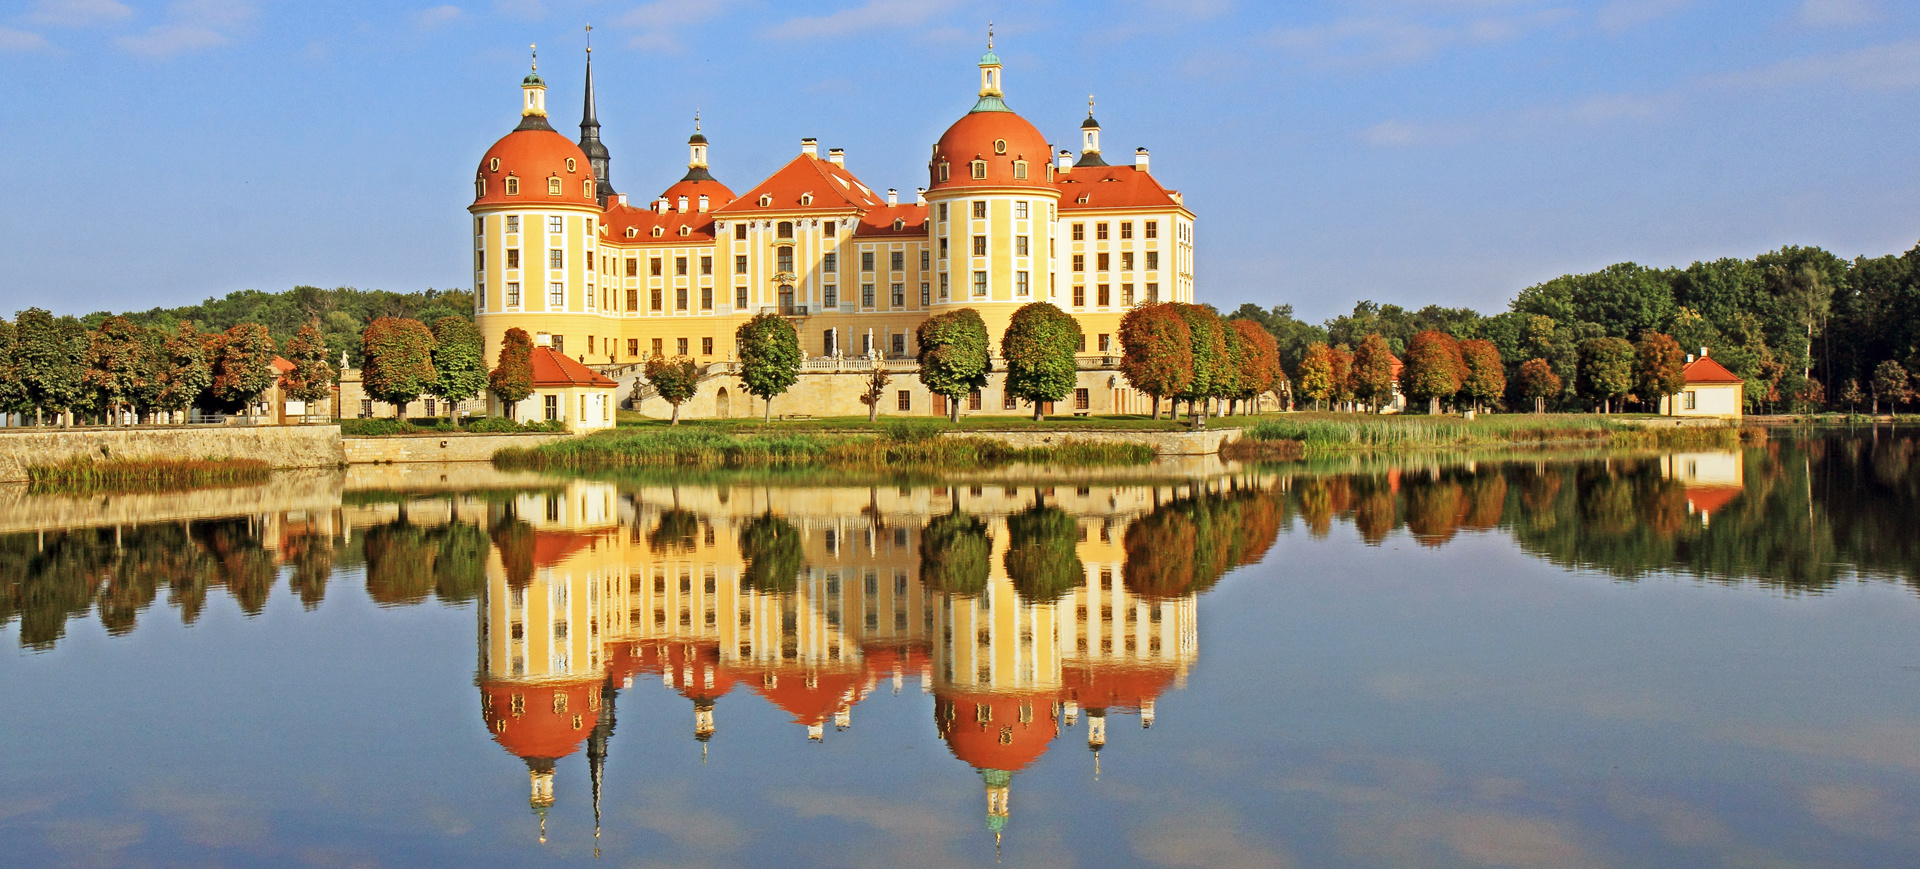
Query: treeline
1804, 328
340, 314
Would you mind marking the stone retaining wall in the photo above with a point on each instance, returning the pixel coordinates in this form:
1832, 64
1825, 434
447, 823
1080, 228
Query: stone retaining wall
438, 447
1165, 443
280, 446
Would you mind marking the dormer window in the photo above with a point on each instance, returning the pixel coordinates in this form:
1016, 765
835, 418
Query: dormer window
979, 170
658, 231
999, 146
513, 186
479, 187
899, 223
1020, 170
686, 230
766, 199
806, 199
493, 165
943, 170
632, 231
586, 188
553, 186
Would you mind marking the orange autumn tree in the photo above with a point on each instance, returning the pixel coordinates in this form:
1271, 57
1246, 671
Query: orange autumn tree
1486, 378
1156, 355
1433, 368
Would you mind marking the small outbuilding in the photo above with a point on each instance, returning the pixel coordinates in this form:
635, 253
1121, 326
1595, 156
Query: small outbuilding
1711, 390
565, 390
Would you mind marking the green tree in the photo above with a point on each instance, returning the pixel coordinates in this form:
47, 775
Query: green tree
188, 371
398, 366
1038, 347
953, 355
1207, 341
1373, 371
50, 370
1315, 374
1292, 335
1156, 355
118, 365
769, 357
1486, 379
1539, 382
1433, 369
675, 378
1042, 557
459, 362
512, 379
242, 368
311, 380
875, 389
773, 552
13, 391
1659, 368
1606, 371
954, 553
1890, 382
1850, 395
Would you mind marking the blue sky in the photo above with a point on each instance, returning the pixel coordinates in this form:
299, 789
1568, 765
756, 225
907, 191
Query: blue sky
1407, 151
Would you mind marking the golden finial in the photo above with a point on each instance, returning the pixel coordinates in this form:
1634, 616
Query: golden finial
535, 48
1089, 105
696, 120
989, 35
589, 39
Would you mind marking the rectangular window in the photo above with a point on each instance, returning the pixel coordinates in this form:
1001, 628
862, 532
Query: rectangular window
554, 259
679, 298
979, 169
943, 287
899, 344
706, 298
1126, 295
1153, 294
783, 259
866, 260
589, 345
943, 248
633, 268
1100, 231
513, 294
1020, 245
1106, 342
926, 260
905, 400
658, 296
1079, 232
556, 224
653, 267
680, 266
1020, 210
1126, 260
1009, 402
513, 257
1153, 229
925, 291
740, 231
1126, 230
979, 245
658, 347
513, 223
1153, 260
680, 346
898, 261
1079, 262
556, 295
740, 265
550, 406
980, 209
706, 346
589, 263
1100, 293
633, 346
1101, 261
739, 298
560, 344
899, 295
633, 300
973, 400
1020, 285
830, 262
1691, 400
866, 295
1081, 399
1079, 297
706, 265
829, 296
979, 283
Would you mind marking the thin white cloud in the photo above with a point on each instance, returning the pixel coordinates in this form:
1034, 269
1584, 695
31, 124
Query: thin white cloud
192, 25
1892, 66
427, 19
875, 15
21, 41
79, 13
658, 23
1549, 119
1620, 15
1375, 41
1839, 13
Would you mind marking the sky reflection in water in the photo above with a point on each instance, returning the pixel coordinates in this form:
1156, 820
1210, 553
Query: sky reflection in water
1700, 659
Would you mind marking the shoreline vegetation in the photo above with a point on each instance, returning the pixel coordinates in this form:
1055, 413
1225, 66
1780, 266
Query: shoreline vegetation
83, 476
1305, 435
901, 446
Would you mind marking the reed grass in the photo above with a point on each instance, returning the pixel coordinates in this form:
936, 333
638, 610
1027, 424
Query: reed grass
1320, 434
82, 475
898, 448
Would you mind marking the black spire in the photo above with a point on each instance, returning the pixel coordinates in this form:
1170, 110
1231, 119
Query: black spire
590, 138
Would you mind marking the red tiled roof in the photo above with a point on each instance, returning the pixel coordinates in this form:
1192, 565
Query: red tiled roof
1705, 370
878, 222
1709, 499
1112, 187
282, 365
978, 136
619, 218
533, 156
545, 727
717, 194
1003, 741
832, 186
552, 369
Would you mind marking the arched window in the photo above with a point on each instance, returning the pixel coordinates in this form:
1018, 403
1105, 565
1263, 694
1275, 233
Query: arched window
979, 169
513, 186
784, 229
553, 186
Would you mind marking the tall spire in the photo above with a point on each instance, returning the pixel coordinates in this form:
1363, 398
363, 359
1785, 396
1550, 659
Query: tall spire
590, 134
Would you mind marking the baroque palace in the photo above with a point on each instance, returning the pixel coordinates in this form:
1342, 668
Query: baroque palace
1002, 222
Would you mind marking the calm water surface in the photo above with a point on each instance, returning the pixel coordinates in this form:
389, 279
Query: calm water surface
1643, 660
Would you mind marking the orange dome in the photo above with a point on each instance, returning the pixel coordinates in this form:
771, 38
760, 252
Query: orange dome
999, 137
693, 188
811, 696
1002, 741
548, 720
532, 157
1123, 687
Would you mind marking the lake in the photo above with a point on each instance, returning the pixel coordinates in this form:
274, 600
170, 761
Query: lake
1582, 660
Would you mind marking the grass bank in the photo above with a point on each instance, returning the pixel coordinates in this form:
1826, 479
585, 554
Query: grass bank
84, 476
1319, 434
360, 428
968, 422
902, 446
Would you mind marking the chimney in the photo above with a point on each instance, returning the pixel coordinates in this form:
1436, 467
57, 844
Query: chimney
542, 339
893, 196
660, 205
920, 196
703, 203
837, 156
681, 205
622, 197
810, 147
1703, 352
1064, 162
1689, 358
1140, 159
